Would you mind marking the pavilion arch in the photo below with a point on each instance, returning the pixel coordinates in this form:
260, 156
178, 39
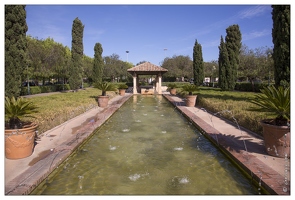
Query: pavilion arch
147, 68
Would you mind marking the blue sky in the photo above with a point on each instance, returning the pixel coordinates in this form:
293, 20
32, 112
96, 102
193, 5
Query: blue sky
146, 30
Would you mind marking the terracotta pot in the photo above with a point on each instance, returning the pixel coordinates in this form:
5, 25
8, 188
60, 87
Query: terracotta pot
19, 143
276, 139
190, 100
122, 92
173, 91
103, 101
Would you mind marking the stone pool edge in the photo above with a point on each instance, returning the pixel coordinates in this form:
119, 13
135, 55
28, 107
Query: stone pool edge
27, 181
270, 180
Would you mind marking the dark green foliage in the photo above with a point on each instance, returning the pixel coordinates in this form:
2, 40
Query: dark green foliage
33, 90
48, 88
172, 85
75, 79
16, 109
190, 88
228, 60
281, 41
233, 45
223, 63
275, 101
97, 72
15, 48
104, 87
250, 86
122, 86
198, 64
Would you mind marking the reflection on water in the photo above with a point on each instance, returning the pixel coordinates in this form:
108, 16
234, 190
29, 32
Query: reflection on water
147, 147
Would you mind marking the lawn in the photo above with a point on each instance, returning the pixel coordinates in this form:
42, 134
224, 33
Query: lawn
58, 108
233, 105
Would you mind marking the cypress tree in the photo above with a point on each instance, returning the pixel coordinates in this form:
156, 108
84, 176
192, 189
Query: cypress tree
15, 48
233, 45
198, 64
281, 41
75, 79
223, 63
97, 63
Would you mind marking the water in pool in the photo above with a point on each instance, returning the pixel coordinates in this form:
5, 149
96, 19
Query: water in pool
147, 148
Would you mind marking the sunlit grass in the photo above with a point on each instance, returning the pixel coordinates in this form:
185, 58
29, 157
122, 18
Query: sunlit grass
56, 109
215, 100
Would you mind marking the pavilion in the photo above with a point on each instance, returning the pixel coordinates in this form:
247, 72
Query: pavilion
147, 68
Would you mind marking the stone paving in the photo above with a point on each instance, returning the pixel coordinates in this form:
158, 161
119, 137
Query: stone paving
54, 146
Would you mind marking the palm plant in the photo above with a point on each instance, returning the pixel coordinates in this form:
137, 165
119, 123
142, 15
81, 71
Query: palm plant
16, 110
190, 88
104, 87
172, 85
122, 86
275, 101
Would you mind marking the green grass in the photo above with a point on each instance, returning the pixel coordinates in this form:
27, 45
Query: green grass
56, 109
216, 101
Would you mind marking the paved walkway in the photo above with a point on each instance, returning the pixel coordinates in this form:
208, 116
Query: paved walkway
55, 145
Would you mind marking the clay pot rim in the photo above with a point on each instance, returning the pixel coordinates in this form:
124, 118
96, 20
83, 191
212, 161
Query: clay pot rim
27, 126
264, 123
192, 95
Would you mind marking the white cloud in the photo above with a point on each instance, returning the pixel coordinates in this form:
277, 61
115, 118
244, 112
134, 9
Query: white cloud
253, 12
255, 34
93, 34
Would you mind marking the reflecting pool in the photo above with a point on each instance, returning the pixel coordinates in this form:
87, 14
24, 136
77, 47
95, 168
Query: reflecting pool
147, 147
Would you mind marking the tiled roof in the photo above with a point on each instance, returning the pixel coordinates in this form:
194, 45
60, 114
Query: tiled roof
147, 67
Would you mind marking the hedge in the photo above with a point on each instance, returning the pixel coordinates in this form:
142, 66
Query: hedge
47, 88
249, 87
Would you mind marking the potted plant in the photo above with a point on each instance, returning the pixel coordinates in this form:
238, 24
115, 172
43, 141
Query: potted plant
19, 132
172, 88
276, 130
122, 88
103, 99
190, 99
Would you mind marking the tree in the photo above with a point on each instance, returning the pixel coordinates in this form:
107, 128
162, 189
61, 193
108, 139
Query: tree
233, 45
75, 78
255, 64
281, 41
87, 68
97, 72
211, 69
223, 63
110, 68
115, 68
46, 59
15, 48
178, 66
198, 64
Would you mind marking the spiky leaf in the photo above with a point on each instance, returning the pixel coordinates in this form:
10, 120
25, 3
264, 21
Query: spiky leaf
18, 109
104, 87
275, 101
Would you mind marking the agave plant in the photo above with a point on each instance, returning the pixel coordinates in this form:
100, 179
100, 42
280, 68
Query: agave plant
16, 109
275, 101
104, 87
190, 88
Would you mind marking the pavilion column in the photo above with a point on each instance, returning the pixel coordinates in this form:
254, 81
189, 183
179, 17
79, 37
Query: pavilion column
159, 83
156, 85
134, 83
